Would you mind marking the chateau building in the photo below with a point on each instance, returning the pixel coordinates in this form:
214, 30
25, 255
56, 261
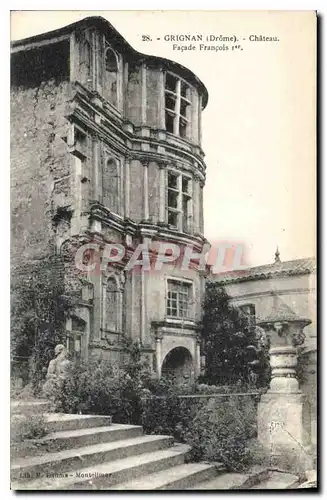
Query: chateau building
106, 148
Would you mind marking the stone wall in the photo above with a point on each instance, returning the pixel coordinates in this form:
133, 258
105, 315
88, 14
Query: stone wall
40, 184
39, 167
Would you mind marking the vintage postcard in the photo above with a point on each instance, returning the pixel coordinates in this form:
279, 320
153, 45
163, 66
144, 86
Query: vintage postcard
163, 250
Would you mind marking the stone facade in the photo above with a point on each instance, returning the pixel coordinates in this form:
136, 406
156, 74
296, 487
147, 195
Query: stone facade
106, 148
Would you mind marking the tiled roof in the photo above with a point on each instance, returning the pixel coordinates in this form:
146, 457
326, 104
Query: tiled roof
287, 268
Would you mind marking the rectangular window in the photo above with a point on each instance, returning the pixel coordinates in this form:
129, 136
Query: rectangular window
179, 201
177, 106
248, 311
179, 299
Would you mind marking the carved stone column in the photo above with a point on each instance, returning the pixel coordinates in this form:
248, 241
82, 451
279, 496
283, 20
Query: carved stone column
282, 411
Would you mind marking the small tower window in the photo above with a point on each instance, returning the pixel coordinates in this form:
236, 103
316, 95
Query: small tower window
177, 106
179, 201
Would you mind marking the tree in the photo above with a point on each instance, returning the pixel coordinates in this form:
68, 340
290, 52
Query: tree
230, 343
38, 310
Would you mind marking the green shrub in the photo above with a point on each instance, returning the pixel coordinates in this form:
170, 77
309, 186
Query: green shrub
220, 432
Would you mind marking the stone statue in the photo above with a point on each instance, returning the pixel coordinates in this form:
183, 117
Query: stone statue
57, 369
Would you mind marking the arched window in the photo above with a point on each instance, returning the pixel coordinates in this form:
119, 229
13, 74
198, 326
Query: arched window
110, 183
110, 87
111, 305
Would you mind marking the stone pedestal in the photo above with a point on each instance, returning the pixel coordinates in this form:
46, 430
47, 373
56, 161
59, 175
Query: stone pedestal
281, 411
281, 429
284, 410
281, 420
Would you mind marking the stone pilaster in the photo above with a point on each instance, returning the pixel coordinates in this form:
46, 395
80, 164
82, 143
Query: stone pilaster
143, 94
145, 164
158, 356
162, 193
127, 187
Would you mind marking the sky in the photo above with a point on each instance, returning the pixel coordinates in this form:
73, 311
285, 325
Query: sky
258, 129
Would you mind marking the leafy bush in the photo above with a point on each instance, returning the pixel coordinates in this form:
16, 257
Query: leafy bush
230, 344
27, 427
96, 387
216, 428
165, 412
220, 432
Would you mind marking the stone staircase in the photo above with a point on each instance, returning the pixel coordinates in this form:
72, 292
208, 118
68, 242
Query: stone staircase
89, 452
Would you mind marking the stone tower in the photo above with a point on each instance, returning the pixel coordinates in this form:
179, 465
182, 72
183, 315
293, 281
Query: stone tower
106, 149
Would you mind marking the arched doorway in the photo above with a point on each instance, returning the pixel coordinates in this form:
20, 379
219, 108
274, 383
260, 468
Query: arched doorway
178, 364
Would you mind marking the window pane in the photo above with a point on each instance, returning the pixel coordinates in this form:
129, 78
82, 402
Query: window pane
182, 128
184, 107
171, 82
170, 101
184, 88
249, 312
172, 180
172, 199
185, 184
178, 303
172, 218
169, 122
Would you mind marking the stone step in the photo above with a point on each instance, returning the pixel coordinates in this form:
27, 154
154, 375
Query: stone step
235, 480
100, 477
57, 441
174, 478
226, 481
67, 422
76, 458
278, 481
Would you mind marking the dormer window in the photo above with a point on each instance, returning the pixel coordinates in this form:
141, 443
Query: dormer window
110, 87
177, 106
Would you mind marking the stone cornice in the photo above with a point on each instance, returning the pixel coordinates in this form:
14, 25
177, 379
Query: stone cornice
121, 134
165, 327
118, 42
146, 229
